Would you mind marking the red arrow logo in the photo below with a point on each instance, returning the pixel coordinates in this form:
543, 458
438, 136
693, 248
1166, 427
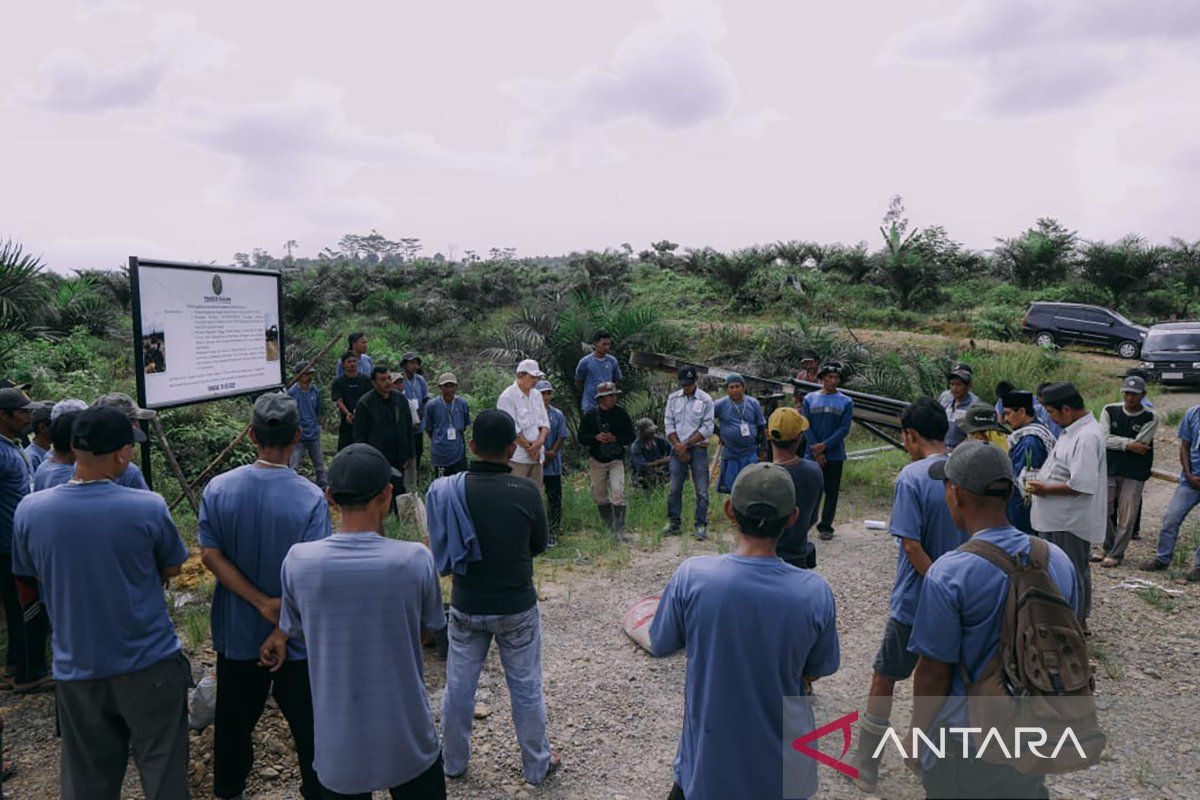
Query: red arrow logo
801, 745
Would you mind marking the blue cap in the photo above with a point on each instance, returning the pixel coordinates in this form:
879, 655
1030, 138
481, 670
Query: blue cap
544, 386
733, 377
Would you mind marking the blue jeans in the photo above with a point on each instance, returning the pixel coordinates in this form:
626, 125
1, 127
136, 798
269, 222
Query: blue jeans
731, 467
698, 467
1186, 497
313, 449
519, 637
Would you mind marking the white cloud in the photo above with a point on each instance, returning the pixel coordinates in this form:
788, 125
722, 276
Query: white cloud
754, 125
86, 9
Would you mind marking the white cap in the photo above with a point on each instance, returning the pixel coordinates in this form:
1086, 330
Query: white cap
64, 406
530, 367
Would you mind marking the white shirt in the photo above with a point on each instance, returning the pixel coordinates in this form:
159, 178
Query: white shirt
1080, 460
687, 415
529, 413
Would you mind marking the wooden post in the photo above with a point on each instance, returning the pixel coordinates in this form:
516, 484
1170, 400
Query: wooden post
156, 424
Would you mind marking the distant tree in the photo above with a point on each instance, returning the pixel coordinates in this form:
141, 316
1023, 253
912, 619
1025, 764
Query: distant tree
1043, 255
23, 289
1120, 267
738, 271
410, 248
906, 265
242, 259
605, 272
1181, 274
853, 261
288, 245
262, 259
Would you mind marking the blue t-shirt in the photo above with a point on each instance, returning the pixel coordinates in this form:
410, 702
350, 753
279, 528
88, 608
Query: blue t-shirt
416, 388
16, 481
254, 515
956, 413
309, 402
1189, 431
360, 602
442, 422
752, 628
919, 512
829, 417
558, 430
96, 550
364, 367
37, 454
731, 416
1026, 448
131, 478
51, 474
593, 372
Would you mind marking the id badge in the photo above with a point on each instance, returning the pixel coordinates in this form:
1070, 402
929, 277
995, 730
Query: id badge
697, 406
451, 434
745, 428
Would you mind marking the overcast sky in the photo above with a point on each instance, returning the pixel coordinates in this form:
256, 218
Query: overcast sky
192, 131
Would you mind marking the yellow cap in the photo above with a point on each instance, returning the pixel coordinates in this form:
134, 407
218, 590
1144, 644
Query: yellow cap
786, 425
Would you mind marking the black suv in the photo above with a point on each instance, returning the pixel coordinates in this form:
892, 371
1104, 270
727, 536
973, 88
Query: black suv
1072, 323
1171, 353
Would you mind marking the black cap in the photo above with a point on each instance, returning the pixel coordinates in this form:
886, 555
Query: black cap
962, 373
493, 430
830, 368
1019, 399
358, 474
103, 429
410, 356
13, 399
1057, 394
687, 376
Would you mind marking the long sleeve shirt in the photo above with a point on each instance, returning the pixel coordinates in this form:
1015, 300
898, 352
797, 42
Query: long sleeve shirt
386, 425
687, 415
829, 416
1144, 436
615, 421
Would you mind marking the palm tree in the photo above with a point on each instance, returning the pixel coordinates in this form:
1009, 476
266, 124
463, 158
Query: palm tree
23, 290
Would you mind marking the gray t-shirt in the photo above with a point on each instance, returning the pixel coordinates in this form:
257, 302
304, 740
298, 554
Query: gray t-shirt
360, 602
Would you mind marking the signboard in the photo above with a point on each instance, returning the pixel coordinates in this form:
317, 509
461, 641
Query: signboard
202, 333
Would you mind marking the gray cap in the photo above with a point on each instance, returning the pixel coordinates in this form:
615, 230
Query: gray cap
982, 417
274, 410
13, 399
447, 378
1135, 384
734, 377
764, 491
358, 474
65, 406
975, 466
645, 424
123, 403
544, 386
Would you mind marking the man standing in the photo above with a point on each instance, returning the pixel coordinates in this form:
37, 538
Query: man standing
956, 630
650, 455
308, 401
362, 604
122, 679
525, 405
810, 364
785, 430
39, 446
1187, 495
348, 388
446, 421
1069, 499
493, 595
599, 367
383, 420
740, 424
688, 422
1029, 446
357, 342
249, 519
924, 530
552, 470
416, 391
956, 400
606, 431
132, 477
25, 659
1130, 428
60, 465
829, 414
738, 671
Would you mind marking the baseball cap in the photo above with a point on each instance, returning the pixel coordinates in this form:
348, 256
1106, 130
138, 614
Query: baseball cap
982, 417
65, 406
304, 369
13, 399
1056, 394
123, 403
687, 376
5, 383
733, 377
358, 474
447, 378
830, 367
962, 373
275, 410
103, 429
1135, 384
975, 466
645, 424
410, 356
809, 355
1019, 399
530, 367
786, 425
764, 491
607, 389
40, 411
544, 386
493, 429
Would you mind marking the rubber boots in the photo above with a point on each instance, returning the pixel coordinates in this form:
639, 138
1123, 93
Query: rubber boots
606, 514
871, 732
618, 518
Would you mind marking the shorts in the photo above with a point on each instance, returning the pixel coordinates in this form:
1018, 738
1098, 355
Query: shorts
893, 659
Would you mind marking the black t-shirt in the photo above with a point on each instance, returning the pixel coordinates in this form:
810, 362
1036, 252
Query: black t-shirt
809, 483
350, 390
510, 525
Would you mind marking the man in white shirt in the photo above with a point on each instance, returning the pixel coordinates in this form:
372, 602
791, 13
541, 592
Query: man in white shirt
688, 424
525, 406
1070, 502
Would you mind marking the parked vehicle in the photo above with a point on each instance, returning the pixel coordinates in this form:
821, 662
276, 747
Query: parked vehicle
1171, 353
1092, 326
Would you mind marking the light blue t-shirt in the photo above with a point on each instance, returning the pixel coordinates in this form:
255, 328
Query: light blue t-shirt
37, 454
309, 402
919, 512
16, 481
558, 430
440, 420
752, 628
254, 515
364, 367
730, 416
829, 417
1189, 431
131, 478
956, 412
593, 372
417, 388
51, 474
360, 602
96, 550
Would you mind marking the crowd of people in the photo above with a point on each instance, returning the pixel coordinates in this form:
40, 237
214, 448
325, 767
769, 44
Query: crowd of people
332, 623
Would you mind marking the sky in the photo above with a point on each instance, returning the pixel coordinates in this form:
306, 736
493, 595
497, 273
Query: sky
192, 131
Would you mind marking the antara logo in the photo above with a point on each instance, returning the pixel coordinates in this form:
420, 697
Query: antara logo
800, 745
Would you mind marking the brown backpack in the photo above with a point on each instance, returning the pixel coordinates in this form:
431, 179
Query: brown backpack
1040, 676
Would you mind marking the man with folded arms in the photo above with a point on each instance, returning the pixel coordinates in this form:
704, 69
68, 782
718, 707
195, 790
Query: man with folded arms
524, 404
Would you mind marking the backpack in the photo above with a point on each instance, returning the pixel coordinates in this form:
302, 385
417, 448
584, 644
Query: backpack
1040, 676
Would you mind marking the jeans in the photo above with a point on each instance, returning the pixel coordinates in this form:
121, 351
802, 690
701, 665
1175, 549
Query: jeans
1186, 498
833, 486
26, 654
608, 482
429, 785
553, 484
1124, 507
519, 637
313, 449
698, 467
1079, 550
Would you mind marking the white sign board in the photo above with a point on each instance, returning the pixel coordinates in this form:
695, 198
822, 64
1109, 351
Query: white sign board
203, 333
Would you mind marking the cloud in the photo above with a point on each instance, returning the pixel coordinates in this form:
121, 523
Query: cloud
667, 73
754, 125
71, 81
100, 252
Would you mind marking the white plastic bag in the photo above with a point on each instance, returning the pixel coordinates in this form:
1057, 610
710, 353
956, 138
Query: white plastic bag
410, 508
638, 619
202, 703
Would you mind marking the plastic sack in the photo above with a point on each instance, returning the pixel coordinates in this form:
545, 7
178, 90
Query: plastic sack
411, 510
202, 703
638, 619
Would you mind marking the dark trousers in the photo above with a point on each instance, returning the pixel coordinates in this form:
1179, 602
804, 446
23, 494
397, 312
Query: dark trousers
957, 777
676, 793
833, 485
418, 448
452, 469
553, 484
345, 435
429, 785
242, 688
1079, 551
102, 720
26, 654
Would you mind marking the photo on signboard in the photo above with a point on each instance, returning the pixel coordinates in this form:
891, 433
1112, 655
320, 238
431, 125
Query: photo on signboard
154, 351
272, 327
